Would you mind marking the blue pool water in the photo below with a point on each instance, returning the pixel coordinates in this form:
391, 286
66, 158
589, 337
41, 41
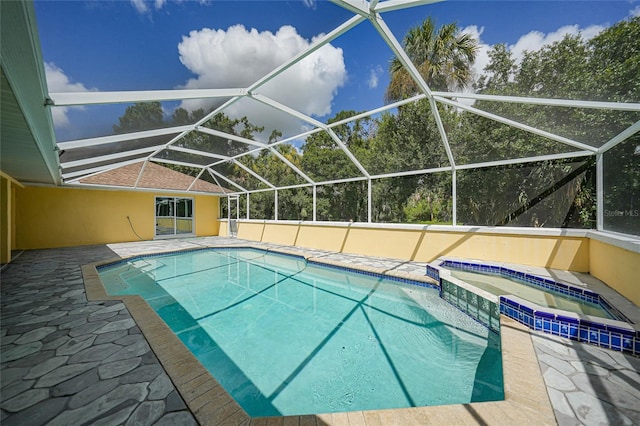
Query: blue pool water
287, 337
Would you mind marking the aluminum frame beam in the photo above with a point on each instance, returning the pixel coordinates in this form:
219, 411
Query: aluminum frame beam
290, 164
197, 152
621, 137
95, 170
214, 173
176, 162
224, 135
141, 189
254, 174
97, 98
518, 125
278, 106
616, 106
563, 156
121, 154
195, 180
144, 166
391, 5
82, 143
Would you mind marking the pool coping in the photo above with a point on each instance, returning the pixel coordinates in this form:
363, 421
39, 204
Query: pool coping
526, 399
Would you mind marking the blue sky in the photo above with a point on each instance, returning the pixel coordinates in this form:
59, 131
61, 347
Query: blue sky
160, 44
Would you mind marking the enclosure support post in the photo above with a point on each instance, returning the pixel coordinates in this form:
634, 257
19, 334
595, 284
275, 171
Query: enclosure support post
314, 202
599, 193
248, 206
454, 196
275, 202
369, 200
229, 216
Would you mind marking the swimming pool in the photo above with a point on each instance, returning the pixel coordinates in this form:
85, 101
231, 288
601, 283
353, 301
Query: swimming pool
286, 336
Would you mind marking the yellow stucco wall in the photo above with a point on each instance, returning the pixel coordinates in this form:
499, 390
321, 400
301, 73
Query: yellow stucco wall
62, 217
613, 265
559, 252
617, 267
5, 220
13, 218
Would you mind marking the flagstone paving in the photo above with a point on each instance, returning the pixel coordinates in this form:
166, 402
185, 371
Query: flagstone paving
67, 361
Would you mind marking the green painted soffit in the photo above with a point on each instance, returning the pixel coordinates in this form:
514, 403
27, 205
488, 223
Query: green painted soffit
27, 139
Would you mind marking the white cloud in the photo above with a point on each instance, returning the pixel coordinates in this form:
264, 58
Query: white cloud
536, 40
58, 81
482, 56
311, 4
238, 57
140, 6
635, 11
374, 76
532, 41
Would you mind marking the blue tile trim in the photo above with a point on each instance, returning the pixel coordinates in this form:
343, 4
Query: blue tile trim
433, 273
603, 335
543, 283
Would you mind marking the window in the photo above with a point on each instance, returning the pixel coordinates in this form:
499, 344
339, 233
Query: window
174, 216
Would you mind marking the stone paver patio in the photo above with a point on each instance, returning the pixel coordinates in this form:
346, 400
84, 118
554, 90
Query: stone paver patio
66, 361
69, 361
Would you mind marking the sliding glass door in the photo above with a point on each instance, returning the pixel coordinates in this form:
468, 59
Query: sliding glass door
174, 216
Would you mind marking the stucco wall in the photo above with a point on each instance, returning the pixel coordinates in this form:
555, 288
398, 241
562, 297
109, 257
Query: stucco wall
62, 217
6, 208
552, 251
565, 250
617, 267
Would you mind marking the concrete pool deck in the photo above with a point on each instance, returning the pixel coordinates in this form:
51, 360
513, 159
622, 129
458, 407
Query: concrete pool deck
73, 356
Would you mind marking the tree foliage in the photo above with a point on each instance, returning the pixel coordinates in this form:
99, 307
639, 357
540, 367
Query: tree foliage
140, 116
554, 193
443, 57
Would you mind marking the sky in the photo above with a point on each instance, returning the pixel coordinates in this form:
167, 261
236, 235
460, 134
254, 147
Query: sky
126, 45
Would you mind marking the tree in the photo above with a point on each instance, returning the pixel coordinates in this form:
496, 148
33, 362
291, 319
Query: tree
324, 160
291, 201
554, 193
499, 72
615, 60
140, 116
443, 58
409, 140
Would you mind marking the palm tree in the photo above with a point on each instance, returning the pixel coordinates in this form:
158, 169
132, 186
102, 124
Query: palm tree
443, 58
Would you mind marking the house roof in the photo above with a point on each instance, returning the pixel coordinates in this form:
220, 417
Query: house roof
154, 176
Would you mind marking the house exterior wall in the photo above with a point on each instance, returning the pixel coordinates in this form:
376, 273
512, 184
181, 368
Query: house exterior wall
5, 220
62, 217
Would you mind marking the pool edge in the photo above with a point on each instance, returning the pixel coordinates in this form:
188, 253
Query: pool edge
526, 400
